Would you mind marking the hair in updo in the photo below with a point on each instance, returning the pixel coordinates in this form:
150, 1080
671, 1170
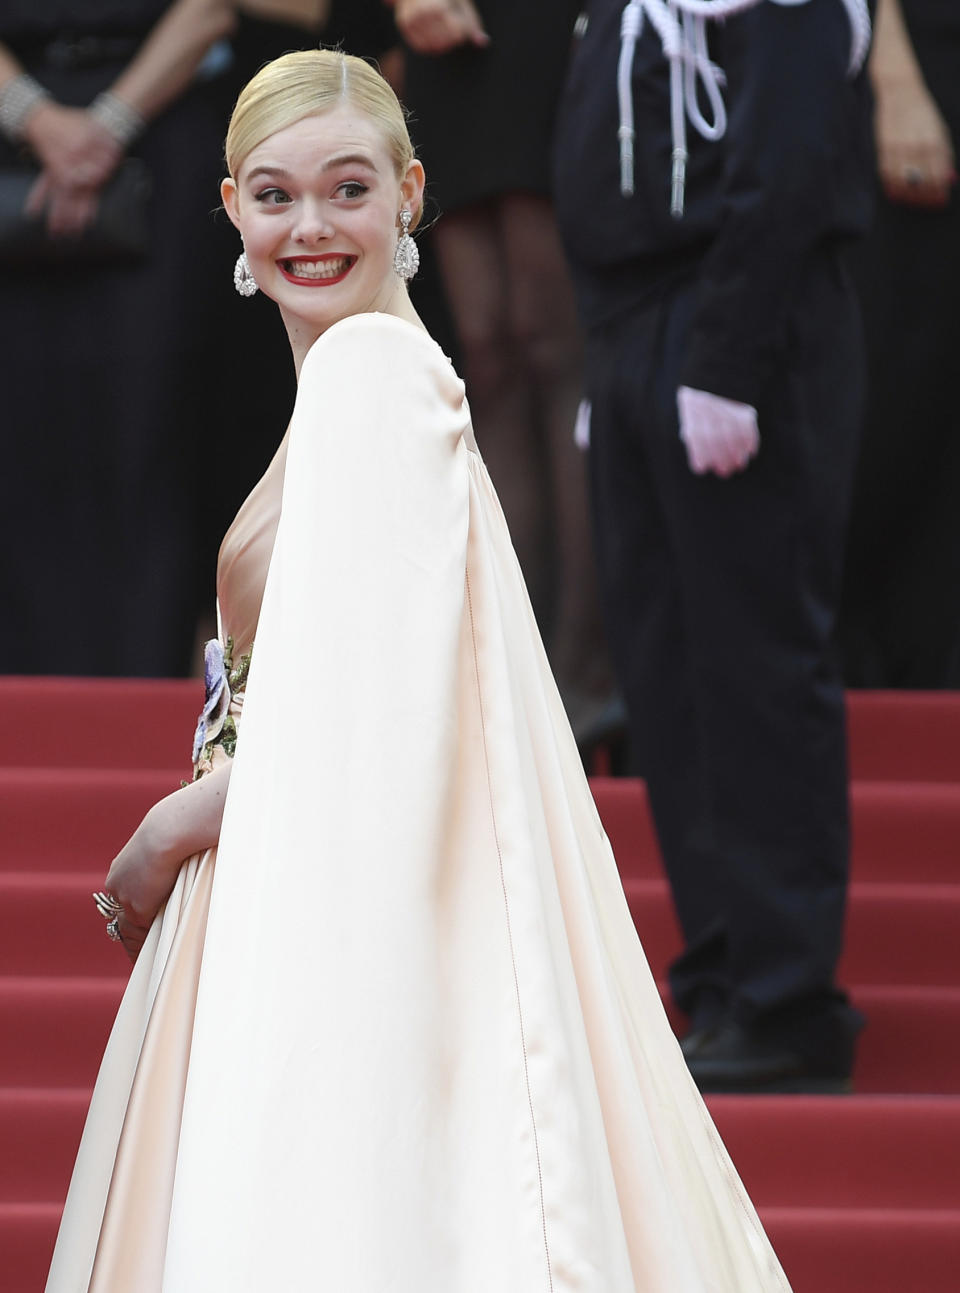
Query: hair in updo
306, 84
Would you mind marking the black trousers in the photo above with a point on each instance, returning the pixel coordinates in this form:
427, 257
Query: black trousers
721, 597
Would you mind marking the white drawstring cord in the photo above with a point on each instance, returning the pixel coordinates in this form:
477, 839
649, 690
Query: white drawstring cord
631, 24
686, 49
684, 43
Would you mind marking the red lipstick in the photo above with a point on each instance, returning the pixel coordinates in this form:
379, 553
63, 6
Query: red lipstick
315, 260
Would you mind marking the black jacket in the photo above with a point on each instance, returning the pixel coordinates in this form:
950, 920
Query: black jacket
792, 176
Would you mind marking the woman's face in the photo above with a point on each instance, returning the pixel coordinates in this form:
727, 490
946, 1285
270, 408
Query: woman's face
318, 206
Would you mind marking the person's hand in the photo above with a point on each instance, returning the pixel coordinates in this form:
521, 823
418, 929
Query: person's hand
68, 209
77, 156
719, 435
437, 26
915, 155
141, 877
72, 146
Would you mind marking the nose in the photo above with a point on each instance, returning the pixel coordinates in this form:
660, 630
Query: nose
313, 223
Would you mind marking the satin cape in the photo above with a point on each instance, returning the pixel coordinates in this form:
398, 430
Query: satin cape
426, 1053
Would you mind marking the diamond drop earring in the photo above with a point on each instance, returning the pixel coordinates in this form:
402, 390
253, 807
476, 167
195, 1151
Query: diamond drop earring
243, 279
406, 259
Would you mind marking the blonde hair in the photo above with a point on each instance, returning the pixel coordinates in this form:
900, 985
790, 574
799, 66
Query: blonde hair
305, 84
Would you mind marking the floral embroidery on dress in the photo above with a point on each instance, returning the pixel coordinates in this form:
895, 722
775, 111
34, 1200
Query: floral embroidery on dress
223, 680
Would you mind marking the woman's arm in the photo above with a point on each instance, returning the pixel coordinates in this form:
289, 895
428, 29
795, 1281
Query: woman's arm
145, 870
166, 62
79, 148
915, 153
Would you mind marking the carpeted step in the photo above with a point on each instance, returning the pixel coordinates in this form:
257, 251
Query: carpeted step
59, 1027
90, 722
27, 1235
39, 1130
858, 1151
822, 1250
860, 1193
97, 722
901, 830
860, 1171
910, 1045
866, 1251
897, 934
841, 1152
74, 818
49, 925
55, 1029
904, 736
65, 819
904, 830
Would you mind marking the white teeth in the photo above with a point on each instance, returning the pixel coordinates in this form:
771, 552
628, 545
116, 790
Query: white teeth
317, 269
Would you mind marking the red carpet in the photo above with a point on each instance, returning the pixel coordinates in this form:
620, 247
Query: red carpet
860, 1194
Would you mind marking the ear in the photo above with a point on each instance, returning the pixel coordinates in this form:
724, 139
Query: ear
411, 190
231, 199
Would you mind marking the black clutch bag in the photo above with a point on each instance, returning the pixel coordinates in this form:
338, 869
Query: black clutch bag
120, 231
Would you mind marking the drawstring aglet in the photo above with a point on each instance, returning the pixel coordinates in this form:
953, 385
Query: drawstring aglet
626, 137
678, 182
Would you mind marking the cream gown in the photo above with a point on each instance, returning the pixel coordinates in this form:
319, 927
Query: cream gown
404, 1040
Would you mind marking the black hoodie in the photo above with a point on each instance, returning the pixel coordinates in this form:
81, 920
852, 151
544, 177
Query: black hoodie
792, 177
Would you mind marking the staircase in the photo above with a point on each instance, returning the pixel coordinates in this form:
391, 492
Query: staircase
860, 1194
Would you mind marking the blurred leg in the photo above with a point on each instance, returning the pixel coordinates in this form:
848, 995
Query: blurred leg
473, 264
546, 338
647, 621
901, 612
758, 558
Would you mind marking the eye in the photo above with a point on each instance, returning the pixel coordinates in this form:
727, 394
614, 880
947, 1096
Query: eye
273, 197
352, 189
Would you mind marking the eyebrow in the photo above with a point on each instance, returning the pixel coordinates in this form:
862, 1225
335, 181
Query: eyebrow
341, 159
349, 159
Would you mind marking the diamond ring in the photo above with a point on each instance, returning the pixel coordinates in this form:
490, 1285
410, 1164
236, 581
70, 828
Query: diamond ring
111, 909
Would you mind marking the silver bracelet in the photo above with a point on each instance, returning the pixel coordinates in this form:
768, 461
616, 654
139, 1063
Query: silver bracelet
18, 98
123, 122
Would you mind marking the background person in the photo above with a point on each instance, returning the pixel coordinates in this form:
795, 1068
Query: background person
725, 374
900, 623
108, 436
482, 83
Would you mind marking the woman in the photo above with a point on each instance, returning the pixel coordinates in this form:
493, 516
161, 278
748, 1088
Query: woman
404, 1037
483, 83
900, 615
105, 422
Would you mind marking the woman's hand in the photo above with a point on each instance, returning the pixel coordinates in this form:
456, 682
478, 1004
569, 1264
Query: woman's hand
437, 26
914, 149
145, 870
72, 146
77, 156
141, 877
69, 210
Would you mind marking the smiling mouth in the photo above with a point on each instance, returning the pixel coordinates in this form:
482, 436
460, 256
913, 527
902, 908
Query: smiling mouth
327, 269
